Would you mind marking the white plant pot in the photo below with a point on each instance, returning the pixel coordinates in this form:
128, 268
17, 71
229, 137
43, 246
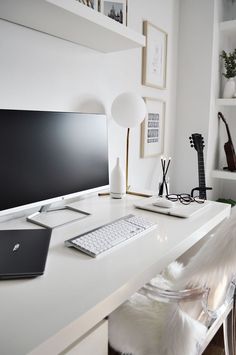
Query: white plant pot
229, 89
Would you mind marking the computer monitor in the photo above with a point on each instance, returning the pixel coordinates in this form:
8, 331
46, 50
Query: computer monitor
49, 156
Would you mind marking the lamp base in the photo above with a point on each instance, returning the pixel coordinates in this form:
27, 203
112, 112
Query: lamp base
138, 194
117, 195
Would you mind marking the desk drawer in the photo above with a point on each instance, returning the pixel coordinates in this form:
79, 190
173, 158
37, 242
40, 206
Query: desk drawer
94, 342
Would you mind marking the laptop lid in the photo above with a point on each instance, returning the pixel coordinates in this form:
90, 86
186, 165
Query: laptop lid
23, 252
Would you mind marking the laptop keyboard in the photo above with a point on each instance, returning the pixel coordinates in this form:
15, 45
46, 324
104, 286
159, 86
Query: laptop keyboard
109, 236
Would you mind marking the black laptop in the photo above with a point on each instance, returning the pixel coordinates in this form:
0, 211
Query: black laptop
23, 252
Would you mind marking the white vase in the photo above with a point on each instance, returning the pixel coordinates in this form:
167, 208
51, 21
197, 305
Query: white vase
117, 184
229, 89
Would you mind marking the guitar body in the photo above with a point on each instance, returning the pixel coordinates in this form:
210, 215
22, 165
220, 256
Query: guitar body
230, 156
229, 147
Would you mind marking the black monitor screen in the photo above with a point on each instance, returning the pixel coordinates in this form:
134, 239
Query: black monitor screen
44, 155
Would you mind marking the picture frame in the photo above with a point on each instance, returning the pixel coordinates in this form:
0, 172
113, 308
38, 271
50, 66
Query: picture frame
93, 4
115, 9
154, 56
153, 128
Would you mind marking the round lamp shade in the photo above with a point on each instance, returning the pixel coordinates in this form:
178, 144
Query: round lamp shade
128, 110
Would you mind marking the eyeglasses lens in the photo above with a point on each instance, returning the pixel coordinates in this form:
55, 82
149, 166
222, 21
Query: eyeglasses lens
172, 197
185, 199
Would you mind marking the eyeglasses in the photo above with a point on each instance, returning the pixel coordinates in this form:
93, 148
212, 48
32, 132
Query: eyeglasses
186, 199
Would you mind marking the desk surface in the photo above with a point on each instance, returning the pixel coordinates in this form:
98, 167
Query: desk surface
46, 314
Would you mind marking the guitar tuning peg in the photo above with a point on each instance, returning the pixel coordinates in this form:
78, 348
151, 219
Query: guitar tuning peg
192, 145
190, 138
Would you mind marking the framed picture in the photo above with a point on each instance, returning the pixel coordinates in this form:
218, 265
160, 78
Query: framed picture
152, 128
90, 3
115, 9
154, 56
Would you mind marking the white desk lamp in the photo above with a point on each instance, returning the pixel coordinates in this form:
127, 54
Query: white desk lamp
128, 110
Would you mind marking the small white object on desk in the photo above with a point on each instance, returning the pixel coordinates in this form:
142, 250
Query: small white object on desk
164, 203
117, 185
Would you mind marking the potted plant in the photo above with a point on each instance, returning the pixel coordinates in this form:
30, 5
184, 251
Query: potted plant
230, 68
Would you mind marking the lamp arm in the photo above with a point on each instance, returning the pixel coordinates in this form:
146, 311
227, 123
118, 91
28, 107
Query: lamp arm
127, 170
127, 160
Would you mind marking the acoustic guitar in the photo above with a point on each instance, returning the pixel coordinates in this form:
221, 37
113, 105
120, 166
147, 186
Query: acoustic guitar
229, 147
197, 142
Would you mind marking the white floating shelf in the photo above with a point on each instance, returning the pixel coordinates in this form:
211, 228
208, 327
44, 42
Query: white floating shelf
226, 102
228, 30
228, 26
223, 174
72, 21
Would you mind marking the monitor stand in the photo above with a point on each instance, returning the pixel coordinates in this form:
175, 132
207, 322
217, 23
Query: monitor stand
52, 218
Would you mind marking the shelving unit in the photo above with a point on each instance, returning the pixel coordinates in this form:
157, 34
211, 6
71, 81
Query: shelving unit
225, 39
223, 174
228, 27
72, 21
226, 102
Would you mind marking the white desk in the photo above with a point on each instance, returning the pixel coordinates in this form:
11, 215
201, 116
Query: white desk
47, 314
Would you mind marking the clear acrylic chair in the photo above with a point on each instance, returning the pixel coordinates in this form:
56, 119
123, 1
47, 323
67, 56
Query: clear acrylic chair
179, 311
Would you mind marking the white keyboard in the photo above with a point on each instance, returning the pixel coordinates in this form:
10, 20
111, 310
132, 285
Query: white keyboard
102, 239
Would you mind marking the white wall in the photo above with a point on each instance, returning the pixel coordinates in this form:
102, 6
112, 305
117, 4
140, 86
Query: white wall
38, 71
193, 89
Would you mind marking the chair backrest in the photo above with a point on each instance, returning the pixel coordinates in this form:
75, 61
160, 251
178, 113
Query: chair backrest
215, 260
213, 266
144, 326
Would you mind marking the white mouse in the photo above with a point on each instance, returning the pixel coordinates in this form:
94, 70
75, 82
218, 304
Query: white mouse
163, 202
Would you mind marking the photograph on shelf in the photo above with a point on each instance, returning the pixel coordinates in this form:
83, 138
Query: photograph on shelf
154, 56
93, 4
115, 9
153, 128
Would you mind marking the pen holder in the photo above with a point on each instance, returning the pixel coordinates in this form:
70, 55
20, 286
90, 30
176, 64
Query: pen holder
163, 188
164, 185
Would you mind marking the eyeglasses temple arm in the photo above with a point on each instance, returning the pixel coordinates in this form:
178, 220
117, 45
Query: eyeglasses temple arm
200, 189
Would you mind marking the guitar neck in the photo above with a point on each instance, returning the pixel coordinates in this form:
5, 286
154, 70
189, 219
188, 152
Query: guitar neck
226, 126
201, 175
228, 132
